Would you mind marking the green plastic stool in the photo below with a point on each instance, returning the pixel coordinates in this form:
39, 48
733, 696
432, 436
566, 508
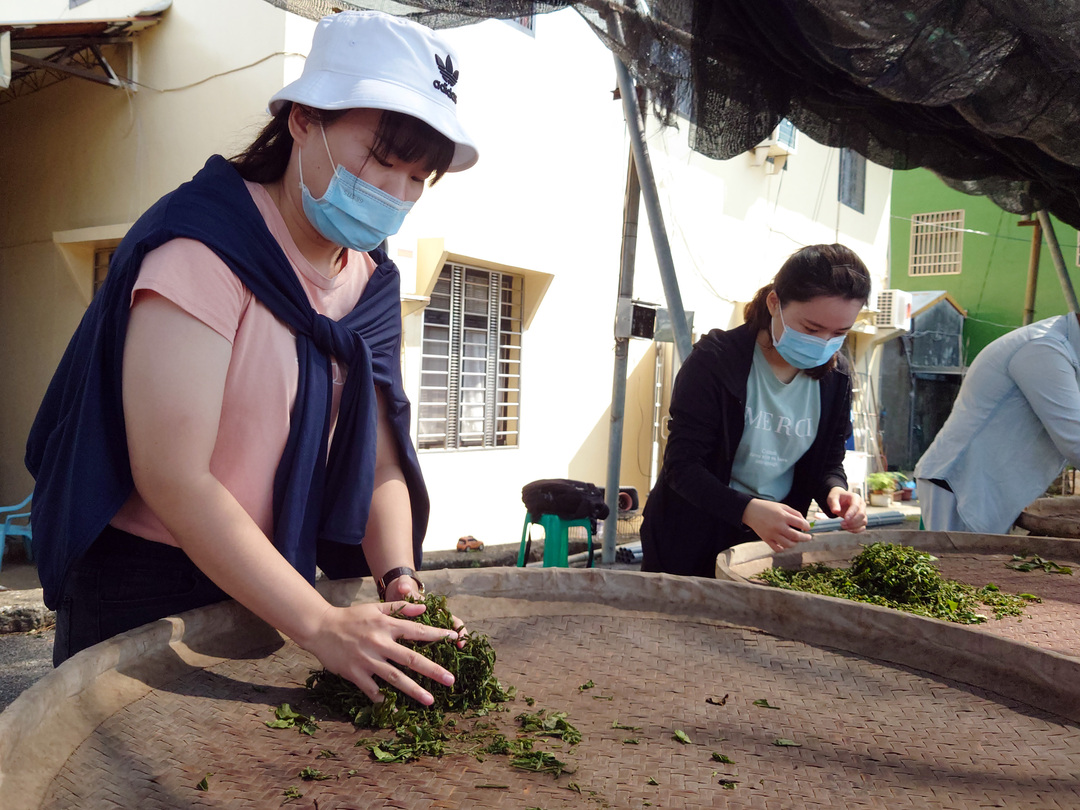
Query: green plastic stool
556, 538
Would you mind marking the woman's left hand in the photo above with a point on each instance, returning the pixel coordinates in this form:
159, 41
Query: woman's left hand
850, 507
407, 588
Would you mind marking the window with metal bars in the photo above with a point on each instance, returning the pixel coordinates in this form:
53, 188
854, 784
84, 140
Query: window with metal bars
102, 257
852, 180
470, 385
937, 243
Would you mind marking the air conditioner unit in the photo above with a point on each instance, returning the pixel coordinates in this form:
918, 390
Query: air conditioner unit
894, 310
775, 147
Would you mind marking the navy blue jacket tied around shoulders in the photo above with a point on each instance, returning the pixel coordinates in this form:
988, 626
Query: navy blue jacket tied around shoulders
77, 450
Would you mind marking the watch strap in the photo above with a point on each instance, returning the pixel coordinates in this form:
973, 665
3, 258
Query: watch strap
396, 573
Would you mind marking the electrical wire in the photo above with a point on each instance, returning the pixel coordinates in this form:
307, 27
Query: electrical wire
215, 75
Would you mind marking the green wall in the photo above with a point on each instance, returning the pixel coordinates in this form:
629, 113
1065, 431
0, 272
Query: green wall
996, 252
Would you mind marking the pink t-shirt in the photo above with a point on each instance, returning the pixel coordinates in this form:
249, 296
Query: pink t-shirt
261, 382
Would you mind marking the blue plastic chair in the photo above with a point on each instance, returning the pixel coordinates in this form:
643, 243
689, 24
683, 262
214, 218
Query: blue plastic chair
16, 523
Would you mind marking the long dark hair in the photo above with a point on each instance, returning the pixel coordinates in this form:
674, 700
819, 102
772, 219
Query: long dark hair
830, 270
398, 135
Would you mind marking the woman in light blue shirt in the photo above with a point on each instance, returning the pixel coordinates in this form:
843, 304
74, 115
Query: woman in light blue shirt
1013, 427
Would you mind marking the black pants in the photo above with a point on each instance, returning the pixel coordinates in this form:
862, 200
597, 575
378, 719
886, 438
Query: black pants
122, 582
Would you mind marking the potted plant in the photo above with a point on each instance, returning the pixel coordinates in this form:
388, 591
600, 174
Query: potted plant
881, 486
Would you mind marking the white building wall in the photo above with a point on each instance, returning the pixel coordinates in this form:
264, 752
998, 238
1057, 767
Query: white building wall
547, 195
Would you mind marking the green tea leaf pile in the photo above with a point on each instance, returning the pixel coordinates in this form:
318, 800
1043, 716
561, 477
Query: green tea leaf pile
902, 578
429, 730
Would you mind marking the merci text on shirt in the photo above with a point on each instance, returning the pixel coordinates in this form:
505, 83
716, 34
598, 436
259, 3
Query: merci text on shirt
764, 420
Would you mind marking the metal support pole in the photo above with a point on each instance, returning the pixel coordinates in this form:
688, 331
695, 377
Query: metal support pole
635, 126
640, 182
1033, 269
1059, 261
631, 208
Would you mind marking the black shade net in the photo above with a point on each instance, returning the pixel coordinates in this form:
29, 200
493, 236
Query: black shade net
985, 93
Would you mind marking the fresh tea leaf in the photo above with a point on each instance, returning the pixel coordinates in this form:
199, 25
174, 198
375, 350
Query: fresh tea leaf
292, 793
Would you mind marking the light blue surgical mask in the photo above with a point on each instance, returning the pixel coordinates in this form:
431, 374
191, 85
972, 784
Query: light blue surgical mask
802, 350
352, 213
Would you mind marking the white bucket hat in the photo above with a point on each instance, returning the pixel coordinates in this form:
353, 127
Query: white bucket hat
377, 61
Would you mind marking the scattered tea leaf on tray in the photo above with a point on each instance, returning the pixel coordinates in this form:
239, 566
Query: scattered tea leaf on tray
1022, 563
541, 762
426, 731
764, 704
651, 781
728, 784
204, 783
550, 725
617, 724
717, 701
310, 774
785, 743
681, 736
292, 793
285, 717
630, 741
587, 685
718, 757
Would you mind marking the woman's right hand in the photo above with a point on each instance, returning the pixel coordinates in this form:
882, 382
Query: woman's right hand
780, 526
360, 642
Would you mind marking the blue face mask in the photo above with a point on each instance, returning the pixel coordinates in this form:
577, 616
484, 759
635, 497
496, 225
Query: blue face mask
802, 350
352, 213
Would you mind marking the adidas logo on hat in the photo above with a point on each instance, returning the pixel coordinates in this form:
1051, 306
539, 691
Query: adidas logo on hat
450, 77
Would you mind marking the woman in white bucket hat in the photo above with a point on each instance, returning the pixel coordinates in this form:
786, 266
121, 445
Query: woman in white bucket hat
230, 413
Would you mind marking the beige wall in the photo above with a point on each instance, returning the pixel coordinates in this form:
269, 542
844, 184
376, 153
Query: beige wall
80, 155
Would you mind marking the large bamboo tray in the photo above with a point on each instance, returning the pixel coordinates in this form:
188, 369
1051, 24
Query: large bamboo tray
889, 710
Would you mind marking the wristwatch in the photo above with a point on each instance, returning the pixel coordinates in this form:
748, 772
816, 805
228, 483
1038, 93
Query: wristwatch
396, 573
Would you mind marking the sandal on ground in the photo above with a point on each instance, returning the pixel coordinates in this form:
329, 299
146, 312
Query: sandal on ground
469, 543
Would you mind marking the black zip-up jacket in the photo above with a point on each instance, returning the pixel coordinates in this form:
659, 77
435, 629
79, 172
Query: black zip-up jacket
692, 513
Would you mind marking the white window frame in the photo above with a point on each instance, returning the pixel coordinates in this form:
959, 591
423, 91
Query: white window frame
937, 243
470, 383
787, 134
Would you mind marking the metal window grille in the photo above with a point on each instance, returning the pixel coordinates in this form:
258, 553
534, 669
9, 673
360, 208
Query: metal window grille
852, 180
102, 257
937, 243
471, 360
